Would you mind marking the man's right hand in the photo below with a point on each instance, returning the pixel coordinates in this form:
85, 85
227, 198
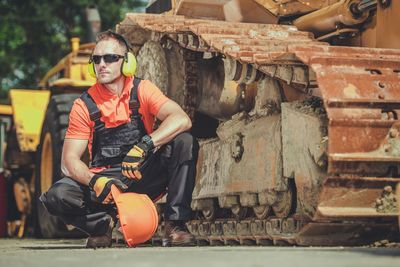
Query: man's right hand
133, 160
101, 185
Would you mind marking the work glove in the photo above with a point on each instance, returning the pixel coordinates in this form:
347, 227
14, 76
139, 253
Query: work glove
135, 157
101, 185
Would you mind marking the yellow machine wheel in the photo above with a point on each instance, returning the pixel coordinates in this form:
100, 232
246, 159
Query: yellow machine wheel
48, 164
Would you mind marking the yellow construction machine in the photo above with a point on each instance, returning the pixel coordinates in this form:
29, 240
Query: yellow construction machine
295, 103
36, 125
34, 141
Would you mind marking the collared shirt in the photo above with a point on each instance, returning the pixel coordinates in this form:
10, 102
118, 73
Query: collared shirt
114, 109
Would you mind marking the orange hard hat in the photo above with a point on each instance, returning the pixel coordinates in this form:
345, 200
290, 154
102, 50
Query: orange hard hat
137, 215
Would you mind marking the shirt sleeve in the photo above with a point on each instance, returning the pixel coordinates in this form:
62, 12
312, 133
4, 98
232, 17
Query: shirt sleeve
79, 126
152, 97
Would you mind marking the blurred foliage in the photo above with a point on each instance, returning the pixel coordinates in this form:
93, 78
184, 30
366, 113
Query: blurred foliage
35, 34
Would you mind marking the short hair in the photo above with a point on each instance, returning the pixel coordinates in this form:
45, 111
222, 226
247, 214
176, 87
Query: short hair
109, 34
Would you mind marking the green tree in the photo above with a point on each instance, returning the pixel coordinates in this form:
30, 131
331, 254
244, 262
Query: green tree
35, 34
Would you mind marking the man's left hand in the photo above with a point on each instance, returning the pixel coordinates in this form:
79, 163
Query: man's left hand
135, 157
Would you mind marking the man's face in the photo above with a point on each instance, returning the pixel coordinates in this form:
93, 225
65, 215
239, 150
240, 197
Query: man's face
107, 73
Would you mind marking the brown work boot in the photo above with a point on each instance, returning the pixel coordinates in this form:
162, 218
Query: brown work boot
177, 234
101, 241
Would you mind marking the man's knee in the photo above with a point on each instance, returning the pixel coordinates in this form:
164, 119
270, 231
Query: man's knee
61, 198
186, 146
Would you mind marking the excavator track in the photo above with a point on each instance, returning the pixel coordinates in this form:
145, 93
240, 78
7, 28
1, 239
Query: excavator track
349, 188
283, 232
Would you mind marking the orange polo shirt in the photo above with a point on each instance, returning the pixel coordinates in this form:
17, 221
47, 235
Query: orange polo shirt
114, 109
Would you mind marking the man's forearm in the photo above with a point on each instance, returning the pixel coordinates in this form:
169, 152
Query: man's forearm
77, 170
169, 128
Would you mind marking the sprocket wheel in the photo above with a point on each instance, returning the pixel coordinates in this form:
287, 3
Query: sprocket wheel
173, 69
284, 206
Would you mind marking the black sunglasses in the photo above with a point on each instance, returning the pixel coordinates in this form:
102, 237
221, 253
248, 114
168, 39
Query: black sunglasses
108, 58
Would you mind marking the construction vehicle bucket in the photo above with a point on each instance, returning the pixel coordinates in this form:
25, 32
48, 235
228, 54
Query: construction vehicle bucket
137, 215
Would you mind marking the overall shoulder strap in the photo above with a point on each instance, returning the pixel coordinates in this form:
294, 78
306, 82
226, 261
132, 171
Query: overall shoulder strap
134, 103
94, 111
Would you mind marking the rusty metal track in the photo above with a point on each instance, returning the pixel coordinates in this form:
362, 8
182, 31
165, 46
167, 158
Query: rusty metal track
289, 231
360, 89
242, 41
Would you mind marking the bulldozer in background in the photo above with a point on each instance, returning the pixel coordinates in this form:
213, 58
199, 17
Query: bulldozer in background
295, 104
35, 124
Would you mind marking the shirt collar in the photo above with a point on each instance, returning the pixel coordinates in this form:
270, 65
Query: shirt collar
106, 94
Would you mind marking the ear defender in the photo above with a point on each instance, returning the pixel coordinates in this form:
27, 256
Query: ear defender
91, 70
128, 67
